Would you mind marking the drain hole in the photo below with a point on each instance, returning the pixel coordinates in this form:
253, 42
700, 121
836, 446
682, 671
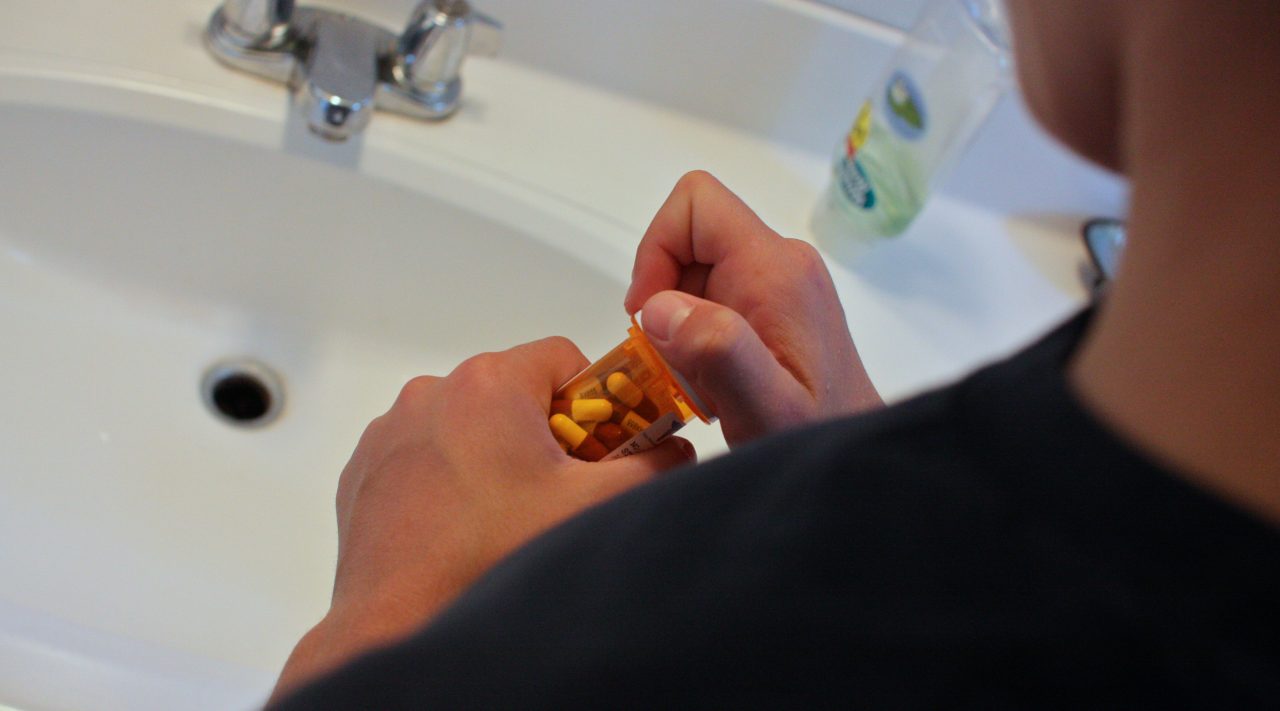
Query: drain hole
244, 393
241, 397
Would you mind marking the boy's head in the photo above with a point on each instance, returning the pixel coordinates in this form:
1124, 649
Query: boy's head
1068, 54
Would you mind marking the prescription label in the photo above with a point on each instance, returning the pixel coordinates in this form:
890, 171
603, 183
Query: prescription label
655, 434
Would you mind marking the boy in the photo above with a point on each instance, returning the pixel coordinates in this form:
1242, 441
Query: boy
1090, 523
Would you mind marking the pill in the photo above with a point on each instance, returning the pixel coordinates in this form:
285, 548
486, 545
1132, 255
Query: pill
611, 435
633, 424
621, 387
630, 394
583, 386
589, 410
583, 445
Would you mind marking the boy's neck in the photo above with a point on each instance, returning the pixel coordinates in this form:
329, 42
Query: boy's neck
1184, 358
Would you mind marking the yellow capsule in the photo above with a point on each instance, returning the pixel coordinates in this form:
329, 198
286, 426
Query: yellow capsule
622, 388
584, 446
580, 411
591, 410
567, 430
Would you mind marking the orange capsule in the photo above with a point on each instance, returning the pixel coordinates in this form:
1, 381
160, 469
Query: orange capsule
611, 435
632, 423
584, 446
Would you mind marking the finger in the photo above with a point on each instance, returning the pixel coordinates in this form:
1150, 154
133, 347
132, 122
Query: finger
693, 279
551, 361
632, 471
723, 358
701, 222
534, 369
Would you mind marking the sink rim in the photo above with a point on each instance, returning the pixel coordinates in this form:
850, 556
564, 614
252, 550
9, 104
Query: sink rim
556, 220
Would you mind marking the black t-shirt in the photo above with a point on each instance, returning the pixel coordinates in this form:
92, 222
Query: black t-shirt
989, 545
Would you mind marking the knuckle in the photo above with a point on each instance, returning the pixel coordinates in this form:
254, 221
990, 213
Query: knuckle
479, 370
724, 333
807, 258
696, 181
374, 428
352, 475
565, 349
416, 389
560, 343
342, 497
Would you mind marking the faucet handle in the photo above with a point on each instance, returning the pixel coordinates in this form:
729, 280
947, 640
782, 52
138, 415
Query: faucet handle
429, 53
258, 24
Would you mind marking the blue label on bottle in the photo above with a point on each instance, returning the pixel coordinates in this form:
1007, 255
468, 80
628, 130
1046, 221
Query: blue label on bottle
904, 107
854, 183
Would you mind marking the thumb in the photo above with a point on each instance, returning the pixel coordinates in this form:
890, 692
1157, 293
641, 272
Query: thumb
723, 358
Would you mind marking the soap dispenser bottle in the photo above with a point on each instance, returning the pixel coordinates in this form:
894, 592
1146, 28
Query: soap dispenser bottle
936, 91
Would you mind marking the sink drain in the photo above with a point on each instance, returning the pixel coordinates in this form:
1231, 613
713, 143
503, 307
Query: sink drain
244, 393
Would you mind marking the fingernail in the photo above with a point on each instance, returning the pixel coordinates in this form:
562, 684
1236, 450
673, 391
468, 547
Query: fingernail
663, 313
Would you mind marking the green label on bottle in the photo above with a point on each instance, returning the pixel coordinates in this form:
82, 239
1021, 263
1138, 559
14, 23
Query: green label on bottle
904, 107
854, 183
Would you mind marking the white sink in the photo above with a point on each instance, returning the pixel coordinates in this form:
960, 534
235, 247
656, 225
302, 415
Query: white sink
155, 541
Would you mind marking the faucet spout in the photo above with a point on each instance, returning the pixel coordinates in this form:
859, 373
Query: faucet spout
336, 85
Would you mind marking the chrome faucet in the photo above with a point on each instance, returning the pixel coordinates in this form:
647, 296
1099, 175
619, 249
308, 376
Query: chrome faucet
340, 67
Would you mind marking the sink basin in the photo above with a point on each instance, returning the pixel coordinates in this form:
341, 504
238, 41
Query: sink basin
153, 555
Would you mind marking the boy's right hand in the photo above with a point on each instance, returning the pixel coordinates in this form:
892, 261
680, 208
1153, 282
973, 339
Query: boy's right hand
749, 317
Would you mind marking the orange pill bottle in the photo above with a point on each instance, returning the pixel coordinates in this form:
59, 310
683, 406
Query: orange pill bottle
647, 402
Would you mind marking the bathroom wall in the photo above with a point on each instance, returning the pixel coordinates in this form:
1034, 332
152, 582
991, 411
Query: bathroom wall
792, 71
899, 13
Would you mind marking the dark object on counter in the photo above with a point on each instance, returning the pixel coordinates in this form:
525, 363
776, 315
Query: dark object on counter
1105, 239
